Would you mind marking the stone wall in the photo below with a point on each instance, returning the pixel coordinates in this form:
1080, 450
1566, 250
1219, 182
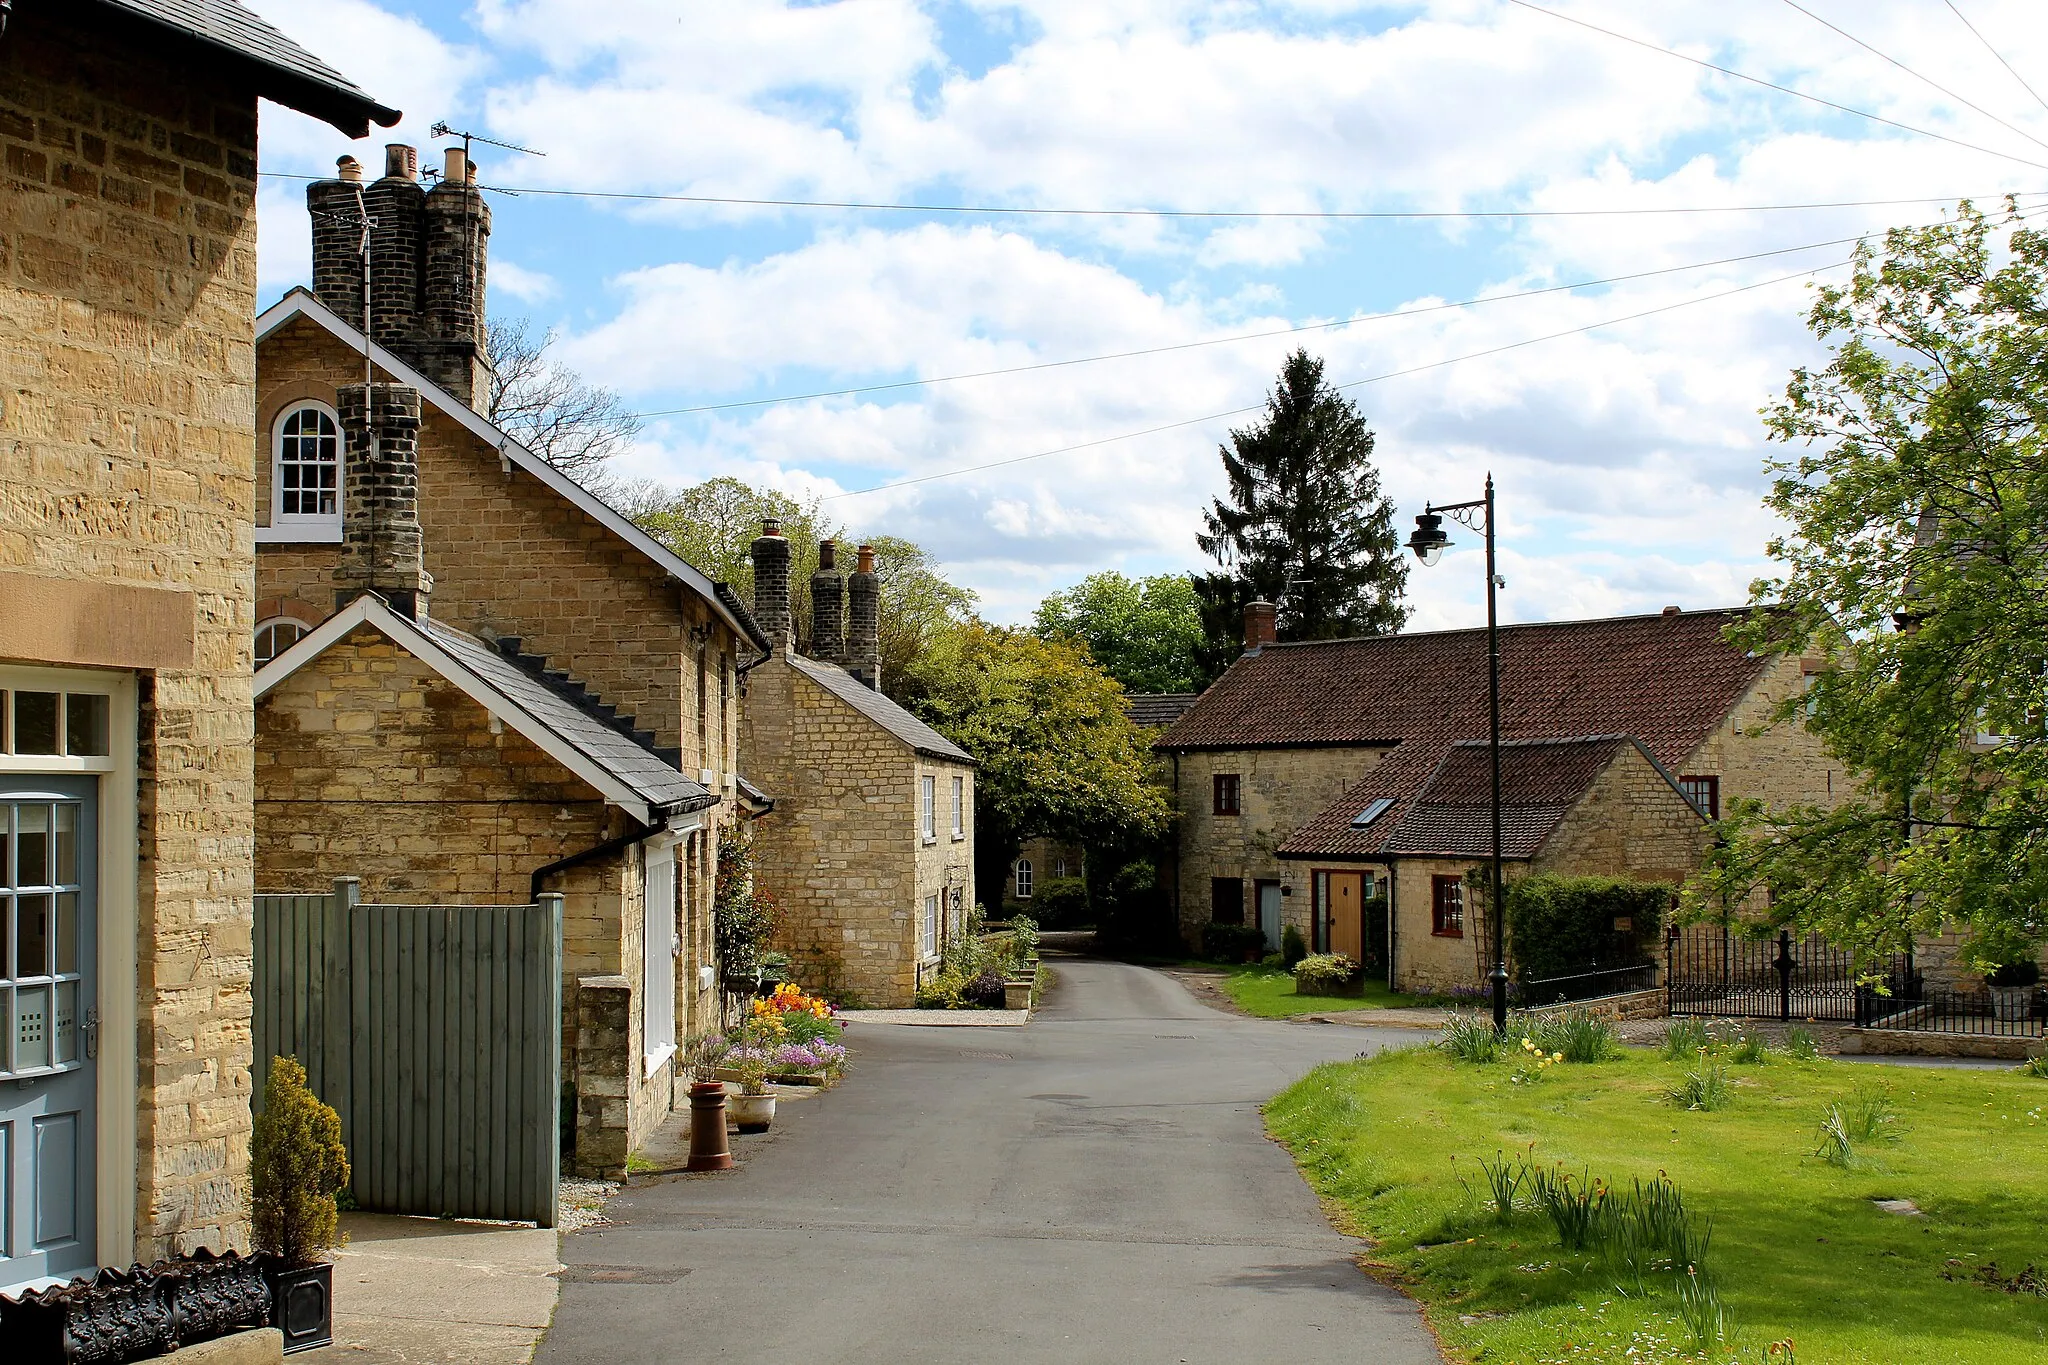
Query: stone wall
1278, 789
1775, 761
1426, 963
946, 864
127, 288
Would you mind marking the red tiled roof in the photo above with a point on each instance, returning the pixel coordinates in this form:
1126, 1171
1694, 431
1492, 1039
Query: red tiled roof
1152, 710
1667, 680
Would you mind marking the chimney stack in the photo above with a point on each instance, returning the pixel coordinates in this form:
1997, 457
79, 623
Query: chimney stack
427, 255
381, 549
771, 585
1261, 626
828, 608
864, 620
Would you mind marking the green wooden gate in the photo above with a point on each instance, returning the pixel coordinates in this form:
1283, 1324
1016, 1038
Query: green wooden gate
435, 1031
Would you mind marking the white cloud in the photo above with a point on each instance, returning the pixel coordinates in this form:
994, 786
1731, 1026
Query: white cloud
528, 286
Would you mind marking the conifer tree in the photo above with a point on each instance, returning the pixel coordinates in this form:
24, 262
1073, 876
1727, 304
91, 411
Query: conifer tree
1305, 523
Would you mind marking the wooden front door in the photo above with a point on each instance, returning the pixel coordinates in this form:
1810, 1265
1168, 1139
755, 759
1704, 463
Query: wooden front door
1347, 918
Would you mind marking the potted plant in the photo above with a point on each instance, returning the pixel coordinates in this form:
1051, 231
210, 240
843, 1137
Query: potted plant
2012, 990
297, 1164
753, 1108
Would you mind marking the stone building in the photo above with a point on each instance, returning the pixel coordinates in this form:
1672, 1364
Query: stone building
869, 852
565, 717
127, 292
1329, 729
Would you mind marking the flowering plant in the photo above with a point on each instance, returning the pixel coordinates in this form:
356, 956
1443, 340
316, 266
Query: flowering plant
809, 1057
1535, 1061
801, 1018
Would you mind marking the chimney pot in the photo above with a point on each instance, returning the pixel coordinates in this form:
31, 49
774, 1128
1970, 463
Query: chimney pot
828, 553
864, 559
455, 166
771, 526
1261, 626
1671, 611
771, 586
864, 620
401, 162
349, 169
828, 608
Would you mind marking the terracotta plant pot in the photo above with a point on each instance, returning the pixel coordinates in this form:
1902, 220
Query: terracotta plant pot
751, 1113
302, 1304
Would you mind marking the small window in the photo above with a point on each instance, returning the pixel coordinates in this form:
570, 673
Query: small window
931, 926
1447, 907
1059, 867
1704, 793
929, 794
1226, 900
54, 724
1226, 793
306, 471
275, 637
959, 807
1374, 809
1023, 879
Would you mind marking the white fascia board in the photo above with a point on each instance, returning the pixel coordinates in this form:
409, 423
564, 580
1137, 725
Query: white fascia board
371, 611
300, 303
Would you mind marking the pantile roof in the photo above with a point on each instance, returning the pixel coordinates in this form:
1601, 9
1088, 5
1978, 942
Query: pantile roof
880, 710
281, 70
1151, 710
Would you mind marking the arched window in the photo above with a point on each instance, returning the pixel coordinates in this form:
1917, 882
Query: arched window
305, 478
275, 636
1023, 879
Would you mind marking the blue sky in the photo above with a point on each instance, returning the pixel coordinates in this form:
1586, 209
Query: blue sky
1629, 457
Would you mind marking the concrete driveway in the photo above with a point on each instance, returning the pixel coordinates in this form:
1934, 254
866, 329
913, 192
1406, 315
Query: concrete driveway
1095, 1187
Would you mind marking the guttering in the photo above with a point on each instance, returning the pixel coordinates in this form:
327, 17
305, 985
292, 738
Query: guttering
755, 635
674, 825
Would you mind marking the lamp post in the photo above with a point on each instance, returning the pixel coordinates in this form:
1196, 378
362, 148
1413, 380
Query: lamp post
1429, 542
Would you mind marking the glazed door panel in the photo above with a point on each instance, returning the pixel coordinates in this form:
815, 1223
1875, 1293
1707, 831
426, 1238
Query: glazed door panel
1269, 914
1347, 922
48, 941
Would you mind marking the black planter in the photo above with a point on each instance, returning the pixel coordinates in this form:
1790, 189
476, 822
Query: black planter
302, 1304
212, 1296
117, 1315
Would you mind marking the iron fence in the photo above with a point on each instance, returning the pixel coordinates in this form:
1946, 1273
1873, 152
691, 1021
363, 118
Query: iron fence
1936, 1009
1717, 969
1589, 985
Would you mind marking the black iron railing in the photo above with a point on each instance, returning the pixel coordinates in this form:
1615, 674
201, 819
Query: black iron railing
1589, 985
2021, 1013
1717, 969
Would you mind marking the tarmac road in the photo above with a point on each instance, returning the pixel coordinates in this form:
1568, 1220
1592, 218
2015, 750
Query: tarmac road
1094, 1187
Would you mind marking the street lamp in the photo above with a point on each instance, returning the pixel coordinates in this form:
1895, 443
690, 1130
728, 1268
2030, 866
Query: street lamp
1429, 543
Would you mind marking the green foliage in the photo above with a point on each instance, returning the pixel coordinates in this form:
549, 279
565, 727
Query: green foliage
1800, 1045
1232, 942
1705, 1086
1688, 1038
1580, 1035
1061, 902
1915, 493
1058, 753
1700, 1308
1561, 926
1470, 1038
1325, 974
1573, 1205
296, 1166
1837, 1146
1144, 632
1306, 524
1023, 934
2036, 1066
1131, 911
1293, 948
1504, 1180
1751, 1049
743, 916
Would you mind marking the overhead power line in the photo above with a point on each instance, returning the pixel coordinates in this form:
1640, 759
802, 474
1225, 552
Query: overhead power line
1025, 211
1773, 85
1996, 53
1351, 384
1243, 336
1924, 80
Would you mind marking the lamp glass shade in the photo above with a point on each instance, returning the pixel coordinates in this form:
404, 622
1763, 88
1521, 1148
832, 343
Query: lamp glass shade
1432, 552
1429, 539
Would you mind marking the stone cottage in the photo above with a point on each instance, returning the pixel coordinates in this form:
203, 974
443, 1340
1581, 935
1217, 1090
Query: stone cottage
558, 691
869, 852
1308, 772
127, 292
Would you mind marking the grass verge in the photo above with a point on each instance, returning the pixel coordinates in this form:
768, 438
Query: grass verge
1800, 1249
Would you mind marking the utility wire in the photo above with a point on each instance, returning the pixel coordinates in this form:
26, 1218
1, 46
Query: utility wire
1352, 384
1244, 336
1996, 53
1781, 89
1924, 80
1020, 211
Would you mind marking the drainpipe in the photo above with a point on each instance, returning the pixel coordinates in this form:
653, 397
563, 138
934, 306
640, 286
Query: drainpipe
1391, 920
595, 851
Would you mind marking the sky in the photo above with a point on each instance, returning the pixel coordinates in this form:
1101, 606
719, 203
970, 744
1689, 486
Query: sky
1619, 420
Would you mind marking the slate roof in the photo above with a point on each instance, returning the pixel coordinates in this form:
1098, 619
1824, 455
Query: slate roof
1444, 808
1151, 710
279, 68
638, 767
880, 710
1667, 680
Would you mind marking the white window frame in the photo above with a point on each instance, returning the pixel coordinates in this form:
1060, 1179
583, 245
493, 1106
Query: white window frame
1022, 873
928, 801
659, 947
271, 623
303, 527
959, 808
929, 930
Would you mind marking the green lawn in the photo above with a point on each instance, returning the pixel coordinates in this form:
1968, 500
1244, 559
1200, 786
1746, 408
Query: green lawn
1269, 993
1799, 1250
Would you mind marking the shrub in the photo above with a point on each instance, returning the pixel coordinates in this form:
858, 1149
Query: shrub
1580, 1035
2014, 975
1023, 935
1325, 974
1688, 1038
1561, 926
1751, 1049
296, 1165
1470, 1038
1232, 942
1293, 947
1061, 903
1705, 1087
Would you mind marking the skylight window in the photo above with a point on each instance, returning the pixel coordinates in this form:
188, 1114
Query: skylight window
1378, 807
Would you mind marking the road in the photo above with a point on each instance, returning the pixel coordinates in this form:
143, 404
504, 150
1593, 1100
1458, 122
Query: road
1094, 1187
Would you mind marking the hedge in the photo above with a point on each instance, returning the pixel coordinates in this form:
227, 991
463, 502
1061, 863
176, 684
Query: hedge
1561, 926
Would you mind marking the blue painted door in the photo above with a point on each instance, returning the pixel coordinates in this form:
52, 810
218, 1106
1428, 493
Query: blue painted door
48, 852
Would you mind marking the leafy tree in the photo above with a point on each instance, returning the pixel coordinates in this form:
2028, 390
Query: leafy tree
921, 610
1058, 753
1144, 632
548, 407
1306, 525
1916, 561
